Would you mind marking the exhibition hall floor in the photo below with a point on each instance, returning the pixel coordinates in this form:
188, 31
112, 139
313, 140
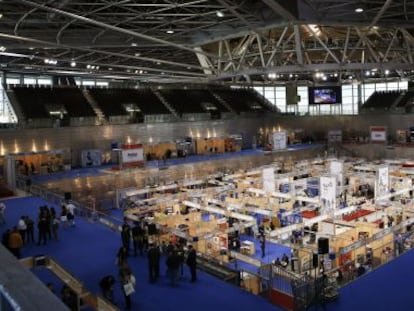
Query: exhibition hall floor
88, 251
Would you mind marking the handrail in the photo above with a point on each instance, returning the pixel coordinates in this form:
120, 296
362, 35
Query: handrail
94, 301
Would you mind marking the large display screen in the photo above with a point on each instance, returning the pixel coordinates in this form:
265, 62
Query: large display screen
323, 95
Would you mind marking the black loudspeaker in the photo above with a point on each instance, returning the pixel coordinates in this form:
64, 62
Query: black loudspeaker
68, 196
315, 260
152, 229
323, 246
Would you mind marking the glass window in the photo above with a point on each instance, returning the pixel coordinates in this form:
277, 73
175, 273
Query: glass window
102, 83
29, 80
88, 82
12, 81
44, 81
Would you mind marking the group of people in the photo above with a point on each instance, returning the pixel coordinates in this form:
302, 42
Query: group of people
48, 223
137, 239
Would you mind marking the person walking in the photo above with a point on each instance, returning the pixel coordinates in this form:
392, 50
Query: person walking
127, 281
154, 256
192, 263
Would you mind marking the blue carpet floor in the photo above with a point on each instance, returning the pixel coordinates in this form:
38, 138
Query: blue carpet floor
88, 251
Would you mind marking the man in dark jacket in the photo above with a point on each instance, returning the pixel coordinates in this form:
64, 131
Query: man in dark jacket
126, 235
192, 262
173, 264
138, 239
154, 256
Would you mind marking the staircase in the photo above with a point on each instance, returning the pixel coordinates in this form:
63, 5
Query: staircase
223, 102
14, 105
166, 104
101, 116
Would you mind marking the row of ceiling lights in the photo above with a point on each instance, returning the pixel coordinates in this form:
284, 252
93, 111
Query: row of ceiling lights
325, 76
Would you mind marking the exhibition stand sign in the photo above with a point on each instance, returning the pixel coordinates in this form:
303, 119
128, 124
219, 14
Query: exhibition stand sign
382, 181
279, 140
336, 168
334, 136
132, 155
327, 194
269, 183
378, 134
92, 157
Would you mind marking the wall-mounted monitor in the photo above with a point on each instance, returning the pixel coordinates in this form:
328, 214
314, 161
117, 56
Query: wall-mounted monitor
325, 95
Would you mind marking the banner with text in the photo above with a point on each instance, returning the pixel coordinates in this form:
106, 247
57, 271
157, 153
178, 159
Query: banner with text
382, 182
268, 175
327, 194
279, 140
132, 155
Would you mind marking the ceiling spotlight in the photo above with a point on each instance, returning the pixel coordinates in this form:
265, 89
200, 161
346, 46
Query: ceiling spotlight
88, 66
324, 78
220, 14
271, 75
387, 72
110, 68
97, 67
1, 15
73, 64
367, 73
92, 67
170, 31
133, 44
47, 61
2, 48
335, 74
359, 10
137, 54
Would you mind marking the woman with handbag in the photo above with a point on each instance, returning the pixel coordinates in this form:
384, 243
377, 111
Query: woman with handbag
127, 281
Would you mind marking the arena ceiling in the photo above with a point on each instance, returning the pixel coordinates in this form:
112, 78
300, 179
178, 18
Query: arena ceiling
209, 40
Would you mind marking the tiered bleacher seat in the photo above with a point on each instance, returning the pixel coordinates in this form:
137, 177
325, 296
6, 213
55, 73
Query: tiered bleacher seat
111, 101
74, 102
35, 102
32, 101
149, 103
380, 101
189, 101
242, 100
406, 103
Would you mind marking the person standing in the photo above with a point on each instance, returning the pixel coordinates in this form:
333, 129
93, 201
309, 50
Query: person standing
22, 227
42, 227
107, 287
138, 238
173, 264
263, 244
154, 256
127, 281
2, 210
29, 229
70, 207
15, 242
192, 262
126, 235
